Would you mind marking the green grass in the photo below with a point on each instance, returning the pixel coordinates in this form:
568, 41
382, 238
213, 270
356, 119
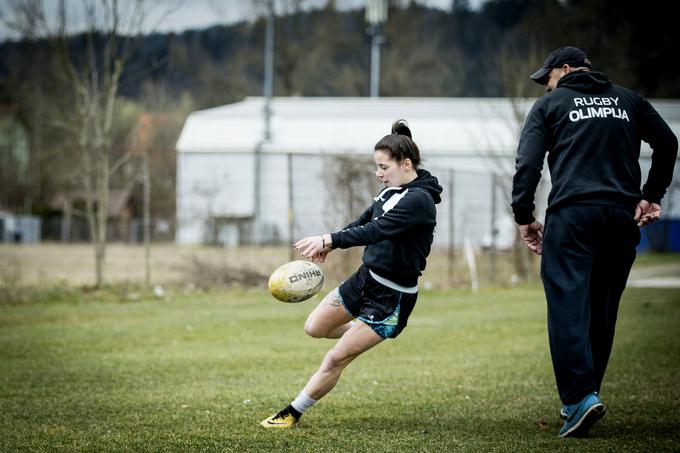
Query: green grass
656, 258
100, 372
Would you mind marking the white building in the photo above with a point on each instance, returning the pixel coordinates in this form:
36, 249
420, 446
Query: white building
227, 176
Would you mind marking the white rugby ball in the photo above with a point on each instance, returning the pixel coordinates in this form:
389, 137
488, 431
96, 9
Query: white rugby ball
296, 281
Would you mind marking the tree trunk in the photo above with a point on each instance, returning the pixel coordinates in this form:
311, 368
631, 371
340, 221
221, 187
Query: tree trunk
102, 192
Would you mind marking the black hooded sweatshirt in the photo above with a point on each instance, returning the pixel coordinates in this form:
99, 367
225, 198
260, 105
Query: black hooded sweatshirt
592, 130
397, 230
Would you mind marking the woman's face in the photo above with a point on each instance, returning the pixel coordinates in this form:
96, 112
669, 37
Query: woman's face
390, 172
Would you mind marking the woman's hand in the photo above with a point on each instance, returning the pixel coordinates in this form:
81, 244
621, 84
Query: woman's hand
314, 247
320, 257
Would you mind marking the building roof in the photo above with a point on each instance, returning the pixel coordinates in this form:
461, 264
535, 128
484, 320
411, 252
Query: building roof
354, 124
351, 125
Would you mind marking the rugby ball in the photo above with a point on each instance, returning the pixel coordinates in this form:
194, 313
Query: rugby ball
295, 281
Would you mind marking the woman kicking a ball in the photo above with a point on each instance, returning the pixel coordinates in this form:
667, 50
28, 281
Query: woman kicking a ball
375, 302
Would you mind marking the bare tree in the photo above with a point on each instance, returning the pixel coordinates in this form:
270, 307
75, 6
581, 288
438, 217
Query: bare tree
92, 78
352, 184
513, 68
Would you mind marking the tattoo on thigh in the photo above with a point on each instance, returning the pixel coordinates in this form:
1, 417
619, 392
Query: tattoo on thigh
333, 300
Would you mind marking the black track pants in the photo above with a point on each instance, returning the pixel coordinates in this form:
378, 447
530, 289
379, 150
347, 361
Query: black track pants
588, 251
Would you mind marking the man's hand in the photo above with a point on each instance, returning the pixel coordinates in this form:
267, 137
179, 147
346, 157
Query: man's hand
646, 213
532, 235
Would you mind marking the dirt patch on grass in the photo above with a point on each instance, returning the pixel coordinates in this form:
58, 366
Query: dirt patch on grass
202, 266
169, 263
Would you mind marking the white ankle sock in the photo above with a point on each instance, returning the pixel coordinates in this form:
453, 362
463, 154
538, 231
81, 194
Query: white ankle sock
302, 402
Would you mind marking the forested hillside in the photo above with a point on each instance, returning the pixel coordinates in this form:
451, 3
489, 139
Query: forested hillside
427, 52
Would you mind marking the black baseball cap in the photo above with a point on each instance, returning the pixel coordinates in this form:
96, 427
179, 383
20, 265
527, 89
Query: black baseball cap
573, 56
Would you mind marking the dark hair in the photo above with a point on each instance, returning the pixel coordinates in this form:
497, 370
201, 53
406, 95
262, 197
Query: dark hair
399, 144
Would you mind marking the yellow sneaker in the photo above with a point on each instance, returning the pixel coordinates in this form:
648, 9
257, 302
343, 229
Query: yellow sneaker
283, 419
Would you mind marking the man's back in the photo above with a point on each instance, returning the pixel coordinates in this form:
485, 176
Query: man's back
592, 130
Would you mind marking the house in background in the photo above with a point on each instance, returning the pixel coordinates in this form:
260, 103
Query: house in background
234, 188
19, 229
16, 224
68, 222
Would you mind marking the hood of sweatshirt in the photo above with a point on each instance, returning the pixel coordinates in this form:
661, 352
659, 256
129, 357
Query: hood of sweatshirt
426, 181
585, 81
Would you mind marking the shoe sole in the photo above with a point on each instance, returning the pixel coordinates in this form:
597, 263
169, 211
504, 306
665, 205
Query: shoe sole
592, 415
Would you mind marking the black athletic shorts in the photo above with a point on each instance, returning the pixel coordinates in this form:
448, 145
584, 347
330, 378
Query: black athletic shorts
384, 309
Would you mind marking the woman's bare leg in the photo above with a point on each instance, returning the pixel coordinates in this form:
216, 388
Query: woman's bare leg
329, 319
358, 339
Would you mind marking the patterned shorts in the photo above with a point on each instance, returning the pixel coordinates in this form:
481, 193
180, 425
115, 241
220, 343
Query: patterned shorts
384, 309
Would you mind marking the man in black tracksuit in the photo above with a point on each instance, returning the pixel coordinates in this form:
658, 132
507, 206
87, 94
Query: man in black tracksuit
592, 130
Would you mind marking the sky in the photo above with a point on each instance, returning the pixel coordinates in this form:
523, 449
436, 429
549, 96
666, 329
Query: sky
197, 14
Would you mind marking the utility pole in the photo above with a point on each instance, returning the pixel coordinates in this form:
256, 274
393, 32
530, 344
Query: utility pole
376, 15
494, 229
267, 92
146, 178
452, 229
268, 70
144, 139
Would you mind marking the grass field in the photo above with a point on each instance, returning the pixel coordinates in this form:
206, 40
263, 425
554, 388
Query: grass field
116, 371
